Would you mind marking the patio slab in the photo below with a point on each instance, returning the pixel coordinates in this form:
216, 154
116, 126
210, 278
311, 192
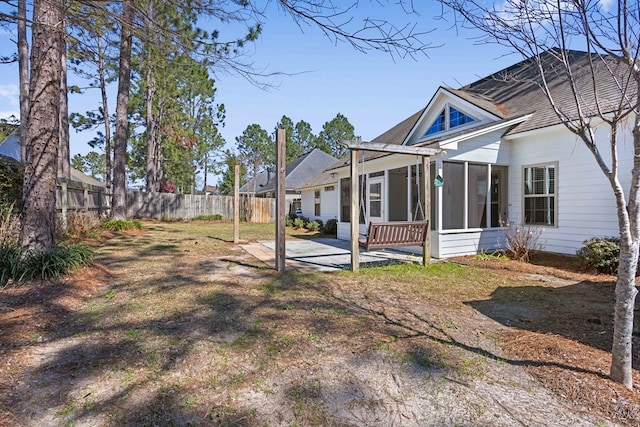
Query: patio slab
326, 254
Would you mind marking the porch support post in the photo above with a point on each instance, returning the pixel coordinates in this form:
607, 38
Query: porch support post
355, 215
426, 173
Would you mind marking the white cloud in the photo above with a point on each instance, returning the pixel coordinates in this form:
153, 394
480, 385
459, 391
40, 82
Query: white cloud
606, 4
9, 95
9, 101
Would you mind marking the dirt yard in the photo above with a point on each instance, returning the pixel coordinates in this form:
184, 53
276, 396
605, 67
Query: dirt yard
176, 326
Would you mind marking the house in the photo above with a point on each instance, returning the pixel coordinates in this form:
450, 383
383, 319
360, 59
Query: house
505, 158
297, 172
10, 147
319, 197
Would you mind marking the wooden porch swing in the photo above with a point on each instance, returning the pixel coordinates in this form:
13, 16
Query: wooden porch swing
396, 233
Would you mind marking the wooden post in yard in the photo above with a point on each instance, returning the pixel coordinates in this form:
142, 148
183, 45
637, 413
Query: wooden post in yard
355, 215
64, 199
426, 190
280, 200
236, 204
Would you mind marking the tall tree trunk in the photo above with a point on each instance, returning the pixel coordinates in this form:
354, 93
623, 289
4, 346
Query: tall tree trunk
23, 67
41, 157
105, 109
629, 220
152, 134
119, 207
64, 158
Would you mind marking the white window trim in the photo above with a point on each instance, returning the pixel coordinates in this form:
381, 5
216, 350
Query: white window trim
555, 193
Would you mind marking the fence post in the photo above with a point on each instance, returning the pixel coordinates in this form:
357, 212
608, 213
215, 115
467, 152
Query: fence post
236, 203
65, 203
85, 197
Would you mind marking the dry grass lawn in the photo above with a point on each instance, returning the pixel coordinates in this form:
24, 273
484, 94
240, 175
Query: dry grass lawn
175, 325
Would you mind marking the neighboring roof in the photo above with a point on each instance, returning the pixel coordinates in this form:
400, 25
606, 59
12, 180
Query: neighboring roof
320, 180
297, 172
212, 189
78, 176
10, 147
260, 181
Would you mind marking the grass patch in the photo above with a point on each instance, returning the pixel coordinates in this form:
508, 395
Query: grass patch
188, 320
122, 224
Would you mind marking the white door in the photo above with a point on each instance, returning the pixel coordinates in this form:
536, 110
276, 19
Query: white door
375, 199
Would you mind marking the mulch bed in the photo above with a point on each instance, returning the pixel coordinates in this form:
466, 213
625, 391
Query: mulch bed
575, 369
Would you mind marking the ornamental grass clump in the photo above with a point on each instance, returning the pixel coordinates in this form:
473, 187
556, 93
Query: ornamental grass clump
121, 224
18, 264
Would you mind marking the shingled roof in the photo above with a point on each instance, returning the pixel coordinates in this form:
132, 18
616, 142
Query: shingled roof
297, 172
515, 91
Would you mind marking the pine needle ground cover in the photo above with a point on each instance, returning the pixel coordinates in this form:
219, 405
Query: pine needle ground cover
176, 325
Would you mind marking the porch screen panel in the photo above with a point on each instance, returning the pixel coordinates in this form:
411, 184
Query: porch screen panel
397, 194
498, 196
453, 196
477, 191
417, 214
345, 200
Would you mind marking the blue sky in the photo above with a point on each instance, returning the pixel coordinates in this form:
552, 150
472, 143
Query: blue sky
372, 90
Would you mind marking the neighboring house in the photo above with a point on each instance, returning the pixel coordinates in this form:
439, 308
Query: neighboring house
320, 197
10, 147
506, 159
211, 190
297, 172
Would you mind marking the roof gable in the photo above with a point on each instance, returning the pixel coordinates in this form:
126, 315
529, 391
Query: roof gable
448, 113
297, 172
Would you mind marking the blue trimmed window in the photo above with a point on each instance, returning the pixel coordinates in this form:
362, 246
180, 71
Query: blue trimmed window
437, 125
455, 118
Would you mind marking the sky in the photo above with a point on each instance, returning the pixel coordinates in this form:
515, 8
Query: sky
322, 78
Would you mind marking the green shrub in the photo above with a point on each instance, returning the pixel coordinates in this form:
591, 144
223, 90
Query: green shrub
121, 224
298, 223
313, 226
213, 217
601, 253
331, 227
292, 216
288, 221
18, 265
11, 178
10, 264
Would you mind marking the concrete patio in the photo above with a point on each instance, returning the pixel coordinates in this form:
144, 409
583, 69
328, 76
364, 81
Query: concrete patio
326, 254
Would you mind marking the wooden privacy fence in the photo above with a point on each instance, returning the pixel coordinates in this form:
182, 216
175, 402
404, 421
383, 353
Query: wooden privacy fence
77, 196
169, 206
73, 196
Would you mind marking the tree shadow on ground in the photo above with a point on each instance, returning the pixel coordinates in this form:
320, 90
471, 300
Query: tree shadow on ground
581, 312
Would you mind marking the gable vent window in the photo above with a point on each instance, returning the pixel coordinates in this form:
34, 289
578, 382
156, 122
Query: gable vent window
448, 119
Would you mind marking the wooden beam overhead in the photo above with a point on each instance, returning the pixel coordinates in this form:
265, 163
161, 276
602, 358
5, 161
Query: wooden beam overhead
390, 148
